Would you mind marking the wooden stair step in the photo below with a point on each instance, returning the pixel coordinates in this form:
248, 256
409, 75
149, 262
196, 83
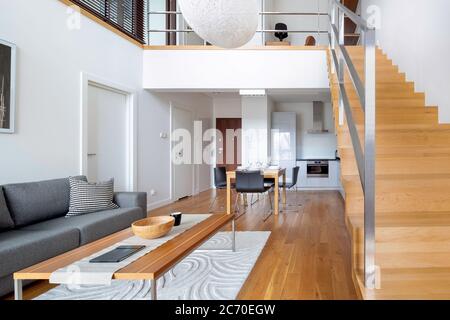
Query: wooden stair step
425, 130
406, 220
383, 70
380, 68
399, 111
380, 62
405, 151
359, 60
382, 78
401, 193
381, 75
391, 95
433, 136
410, 119
402, 242
360, 49
387, 116
382, 104
399, 164
416, 151
407, 126
403, 183
404, 154
392, 89
401, 151
409, 284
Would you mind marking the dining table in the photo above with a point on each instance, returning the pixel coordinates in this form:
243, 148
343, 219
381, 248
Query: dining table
269, 173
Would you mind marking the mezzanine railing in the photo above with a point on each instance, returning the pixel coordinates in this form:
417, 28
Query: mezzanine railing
263, 31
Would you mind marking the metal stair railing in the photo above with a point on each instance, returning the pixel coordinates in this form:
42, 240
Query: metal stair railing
366, 92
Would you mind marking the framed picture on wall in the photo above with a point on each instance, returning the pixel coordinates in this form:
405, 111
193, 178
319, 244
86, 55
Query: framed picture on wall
7, 86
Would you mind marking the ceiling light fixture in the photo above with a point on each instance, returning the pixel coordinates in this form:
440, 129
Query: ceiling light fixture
224, 23
252, 92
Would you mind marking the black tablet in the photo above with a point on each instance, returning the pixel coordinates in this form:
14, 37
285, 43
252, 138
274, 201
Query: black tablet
119, 254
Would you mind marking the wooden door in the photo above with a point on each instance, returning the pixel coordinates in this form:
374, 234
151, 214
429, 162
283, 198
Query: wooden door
229, 145
351, 39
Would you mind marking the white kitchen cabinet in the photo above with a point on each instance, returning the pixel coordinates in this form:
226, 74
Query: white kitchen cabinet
284, 141
330, 183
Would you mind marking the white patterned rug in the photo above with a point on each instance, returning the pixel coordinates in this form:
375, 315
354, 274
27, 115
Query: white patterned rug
203, 275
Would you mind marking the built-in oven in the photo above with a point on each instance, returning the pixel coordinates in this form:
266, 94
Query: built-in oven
318, 169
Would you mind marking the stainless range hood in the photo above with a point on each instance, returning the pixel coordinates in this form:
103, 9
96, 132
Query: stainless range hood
318, 118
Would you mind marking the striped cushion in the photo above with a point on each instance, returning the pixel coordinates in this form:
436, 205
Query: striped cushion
88, 197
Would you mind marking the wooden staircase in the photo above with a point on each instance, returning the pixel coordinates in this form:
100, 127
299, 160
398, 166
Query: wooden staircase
412, 187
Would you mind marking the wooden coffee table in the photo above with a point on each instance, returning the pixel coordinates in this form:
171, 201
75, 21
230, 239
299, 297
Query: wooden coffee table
149, 267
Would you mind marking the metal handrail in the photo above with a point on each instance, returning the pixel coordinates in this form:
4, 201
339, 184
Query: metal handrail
367, 96
258, 31
262, 13
360, 90
265, 13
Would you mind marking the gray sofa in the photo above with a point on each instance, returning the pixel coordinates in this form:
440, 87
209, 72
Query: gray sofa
37, 229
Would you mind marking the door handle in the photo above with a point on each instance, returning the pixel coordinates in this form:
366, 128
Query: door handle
92, 154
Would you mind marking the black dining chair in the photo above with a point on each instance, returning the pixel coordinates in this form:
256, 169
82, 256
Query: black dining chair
292, 184
268, 182
220, 183
294, 181
251, 182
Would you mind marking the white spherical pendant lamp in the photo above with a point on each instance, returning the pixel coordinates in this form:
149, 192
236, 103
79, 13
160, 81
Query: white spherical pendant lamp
224, 23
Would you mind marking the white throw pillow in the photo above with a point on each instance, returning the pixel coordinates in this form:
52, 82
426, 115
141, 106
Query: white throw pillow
88, 197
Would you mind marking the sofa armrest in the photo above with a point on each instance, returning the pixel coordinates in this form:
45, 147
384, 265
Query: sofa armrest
132, 200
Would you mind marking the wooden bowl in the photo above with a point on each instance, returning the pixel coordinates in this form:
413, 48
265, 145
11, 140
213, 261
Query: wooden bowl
152, 228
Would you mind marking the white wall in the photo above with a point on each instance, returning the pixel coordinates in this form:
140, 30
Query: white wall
312, 146
154, 156
235, 69
50, 61
51, 58
415, 34
228, 107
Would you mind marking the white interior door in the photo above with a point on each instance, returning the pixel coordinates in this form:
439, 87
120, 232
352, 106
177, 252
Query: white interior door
182, 179
108, 132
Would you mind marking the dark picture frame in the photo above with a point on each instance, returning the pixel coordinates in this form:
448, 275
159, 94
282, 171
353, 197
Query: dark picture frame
7, 86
